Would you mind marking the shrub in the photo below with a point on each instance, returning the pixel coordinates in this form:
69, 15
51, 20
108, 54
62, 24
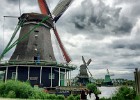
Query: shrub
51, 96
105, 98
124, 93
20, 90
77, 97
92, 87
11, 94
71, 97
60, 97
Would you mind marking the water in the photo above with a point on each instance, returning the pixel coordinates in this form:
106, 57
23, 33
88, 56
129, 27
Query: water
105, 92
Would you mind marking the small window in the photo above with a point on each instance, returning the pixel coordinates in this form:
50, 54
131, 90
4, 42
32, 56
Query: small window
62, 76
53, 76
13, 75
2, 73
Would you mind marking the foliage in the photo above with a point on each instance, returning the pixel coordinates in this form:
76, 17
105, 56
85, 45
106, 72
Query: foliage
17, 89
105, 98
137, 97
11, 94
71, 97
60, 97
77, 97
93, 88
124, 93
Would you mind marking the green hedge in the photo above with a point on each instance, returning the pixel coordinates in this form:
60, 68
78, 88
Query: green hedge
17, 89
124, 93
92, 87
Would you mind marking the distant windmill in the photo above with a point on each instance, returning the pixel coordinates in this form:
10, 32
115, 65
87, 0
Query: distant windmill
108, 73
83, 76
108, 80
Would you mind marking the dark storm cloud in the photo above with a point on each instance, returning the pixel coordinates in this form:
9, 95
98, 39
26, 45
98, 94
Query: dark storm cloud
97, 20
126, 45
124, 27
13, 1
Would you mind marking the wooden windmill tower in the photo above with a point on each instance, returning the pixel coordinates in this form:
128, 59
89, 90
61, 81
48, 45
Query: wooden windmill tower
83, 76
39, 41
34, 44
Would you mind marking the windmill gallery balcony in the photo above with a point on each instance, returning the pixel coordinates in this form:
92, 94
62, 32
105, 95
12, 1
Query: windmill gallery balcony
43, 73
33, 58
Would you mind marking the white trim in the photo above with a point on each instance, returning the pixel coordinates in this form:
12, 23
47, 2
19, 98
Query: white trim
28, 72
40, 74
59, 77
16, 73
6, 73
65, 78
70, 78
51, 76
33, 22
13, 75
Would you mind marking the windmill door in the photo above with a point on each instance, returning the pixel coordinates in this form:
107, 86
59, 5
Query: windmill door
62, 81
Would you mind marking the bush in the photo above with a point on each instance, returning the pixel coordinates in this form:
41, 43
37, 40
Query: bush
20, 90
51, 96
11, 94
105, 98
124, 93
71, 97
77, 97
60, 97
92, 87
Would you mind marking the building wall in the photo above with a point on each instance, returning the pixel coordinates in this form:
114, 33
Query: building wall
38, 42
22, 73
34, 77
10, 70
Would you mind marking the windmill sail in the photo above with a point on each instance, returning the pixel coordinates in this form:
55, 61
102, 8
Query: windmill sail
44, 7
61, 8
65, 54
45, 10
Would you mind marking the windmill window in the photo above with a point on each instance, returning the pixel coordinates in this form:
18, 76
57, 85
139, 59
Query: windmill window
13, 75
53, 76
50, 57
2, 73
62, 76
35, 44
36, 31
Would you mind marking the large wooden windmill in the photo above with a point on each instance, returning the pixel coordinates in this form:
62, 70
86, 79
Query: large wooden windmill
39, 41
33, 58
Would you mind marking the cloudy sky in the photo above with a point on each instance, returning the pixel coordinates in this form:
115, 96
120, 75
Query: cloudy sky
107, 31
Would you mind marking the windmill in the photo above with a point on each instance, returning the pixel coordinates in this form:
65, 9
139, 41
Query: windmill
34, 44
108, 80
83, 76
39, 41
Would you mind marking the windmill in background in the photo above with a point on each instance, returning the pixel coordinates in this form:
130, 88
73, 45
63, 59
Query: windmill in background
83, 76
108, 81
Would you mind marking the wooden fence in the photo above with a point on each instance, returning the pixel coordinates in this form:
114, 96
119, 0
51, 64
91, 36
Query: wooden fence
137, 80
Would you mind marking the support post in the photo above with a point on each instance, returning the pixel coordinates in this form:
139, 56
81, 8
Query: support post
51, 76
68, 79
28, 72
40, 74
65, 78
6, 73
59, 76
16, 73
137, 79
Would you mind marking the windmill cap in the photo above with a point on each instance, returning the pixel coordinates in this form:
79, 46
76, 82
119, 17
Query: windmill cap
36, 17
